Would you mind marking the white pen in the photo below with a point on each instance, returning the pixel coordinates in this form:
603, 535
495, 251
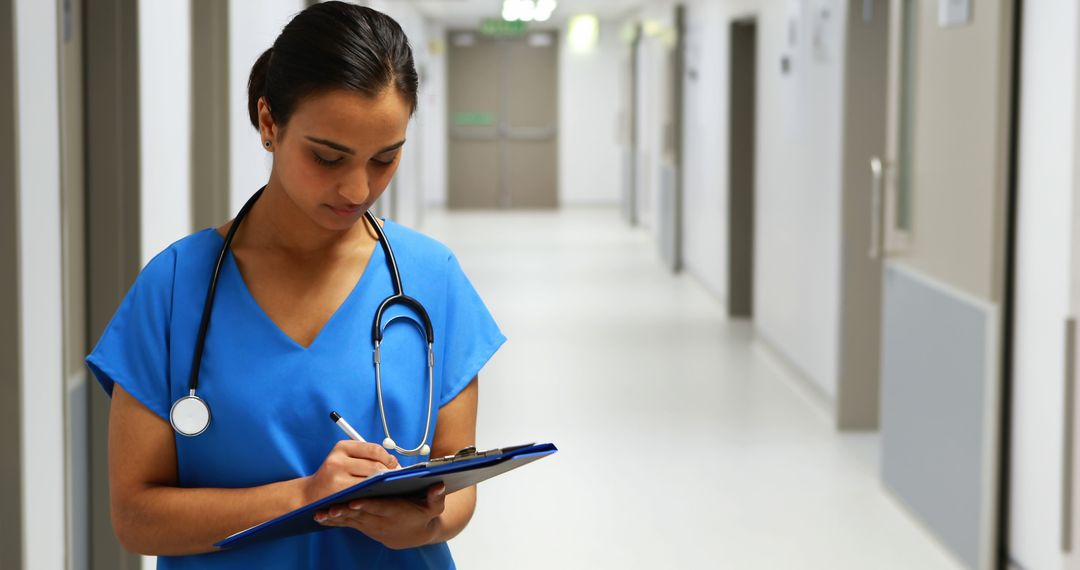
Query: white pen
345, 427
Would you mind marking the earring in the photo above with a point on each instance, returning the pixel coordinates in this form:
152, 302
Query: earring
267, 144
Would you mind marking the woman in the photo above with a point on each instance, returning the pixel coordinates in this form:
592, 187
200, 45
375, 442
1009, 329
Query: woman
289, 337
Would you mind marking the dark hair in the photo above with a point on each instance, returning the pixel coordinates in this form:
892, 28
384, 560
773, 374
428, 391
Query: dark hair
332, 45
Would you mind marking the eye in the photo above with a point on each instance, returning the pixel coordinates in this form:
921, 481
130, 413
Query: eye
386, 161
325, 161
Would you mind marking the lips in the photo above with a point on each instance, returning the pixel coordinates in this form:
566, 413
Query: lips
346, 210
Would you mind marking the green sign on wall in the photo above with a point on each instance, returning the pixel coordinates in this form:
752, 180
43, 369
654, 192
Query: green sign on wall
502, 28
474, 119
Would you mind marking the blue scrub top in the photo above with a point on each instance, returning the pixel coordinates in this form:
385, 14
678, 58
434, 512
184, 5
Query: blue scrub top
270, 398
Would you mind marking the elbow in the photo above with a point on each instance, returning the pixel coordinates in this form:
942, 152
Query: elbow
128, 535
129, 530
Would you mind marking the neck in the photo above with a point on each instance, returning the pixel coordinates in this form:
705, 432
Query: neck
276, 223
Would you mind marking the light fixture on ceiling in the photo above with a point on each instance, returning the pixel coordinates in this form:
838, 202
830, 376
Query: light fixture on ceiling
528, 10
584, 33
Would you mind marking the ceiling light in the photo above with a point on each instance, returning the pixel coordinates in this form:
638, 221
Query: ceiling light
528, 10
510, 10
544, 9
584, 33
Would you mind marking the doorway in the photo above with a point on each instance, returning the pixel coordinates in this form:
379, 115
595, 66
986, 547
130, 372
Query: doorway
630, 127
11, 540
112, 230
503, 115
742, 141
865, 94
946, 228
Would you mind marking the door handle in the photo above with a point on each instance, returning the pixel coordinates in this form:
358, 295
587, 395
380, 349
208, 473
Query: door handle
1068, 438
877, 208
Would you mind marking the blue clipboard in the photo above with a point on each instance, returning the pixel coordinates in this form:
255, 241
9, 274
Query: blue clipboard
465, 469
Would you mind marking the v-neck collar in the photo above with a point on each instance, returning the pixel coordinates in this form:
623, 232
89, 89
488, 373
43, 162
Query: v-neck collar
376, 257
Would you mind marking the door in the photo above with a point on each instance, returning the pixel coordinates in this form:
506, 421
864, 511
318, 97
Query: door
671, 171
946, 227
503, 114
11, 485
630, 125
865, 92
73, 214
742, 122
113, 226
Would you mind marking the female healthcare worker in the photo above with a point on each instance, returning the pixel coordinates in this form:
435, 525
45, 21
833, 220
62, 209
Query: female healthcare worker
290, 334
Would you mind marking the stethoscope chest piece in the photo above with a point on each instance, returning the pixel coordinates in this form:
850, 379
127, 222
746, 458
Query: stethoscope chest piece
190, 415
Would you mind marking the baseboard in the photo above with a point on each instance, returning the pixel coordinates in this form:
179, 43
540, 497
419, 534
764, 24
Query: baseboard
798, 379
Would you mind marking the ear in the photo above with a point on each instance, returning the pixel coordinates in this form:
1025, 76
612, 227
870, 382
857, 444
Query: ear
268, 131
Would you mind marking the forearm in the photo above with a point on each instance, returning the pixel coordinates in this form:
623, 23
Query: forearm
163, 520
459, 511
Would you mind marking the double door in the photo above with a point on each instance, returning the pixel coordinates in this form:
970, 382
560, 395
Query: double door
503, 116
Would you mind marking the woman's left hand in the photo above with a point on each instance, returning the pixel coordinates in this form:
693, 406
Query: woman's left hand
396, 523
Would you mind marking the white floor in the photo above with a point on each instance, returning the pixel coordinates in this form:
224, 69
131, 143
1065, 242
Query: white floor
683, 444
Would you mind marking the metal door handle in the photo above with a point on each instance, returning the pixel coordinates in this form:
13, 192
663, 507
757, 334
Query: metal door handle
877, 203
1068, 438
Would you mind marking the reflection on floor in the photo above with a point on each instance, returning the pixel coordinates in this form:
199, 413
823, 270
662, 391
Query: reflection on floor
683, 444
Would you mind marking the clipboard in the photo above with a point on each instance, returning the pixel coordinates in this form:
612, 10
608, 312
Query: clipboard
464, 469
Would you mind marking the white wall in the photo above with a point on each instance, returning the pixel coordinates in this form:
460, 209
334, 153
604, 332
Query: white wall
164, 129
40, 303
797, 233
652, 92
705, 143
164, 123
409, 181
431, 116
253, 27
590, 86
1048, 150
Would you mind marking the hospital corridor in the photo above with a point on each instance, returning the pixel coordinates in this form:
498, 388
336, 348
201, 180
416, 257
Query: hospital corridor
733, 464
537, 284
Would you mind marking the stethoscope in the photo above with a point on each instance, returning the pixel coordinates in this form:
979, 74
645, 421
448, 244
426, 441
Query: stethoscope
190, 415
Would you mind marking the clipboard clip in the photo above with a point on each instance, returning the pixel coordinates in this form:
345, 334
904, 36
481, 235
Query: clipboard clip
470, 452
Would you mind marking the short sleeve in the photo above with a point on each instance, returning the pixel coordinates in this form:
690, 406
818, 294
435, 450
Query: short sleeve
134, 349
471, 336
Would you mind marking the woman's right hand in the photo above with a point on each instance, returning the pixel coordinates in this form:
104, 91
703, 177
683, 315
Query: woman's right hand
348, 463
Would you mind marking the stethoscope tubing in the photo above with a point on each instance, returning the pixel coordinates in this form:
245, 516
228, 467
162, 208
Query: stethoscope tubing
378, 327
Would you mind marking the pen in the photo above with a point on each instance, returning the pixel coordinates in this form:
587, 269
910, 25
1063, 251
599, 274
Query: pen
345, 427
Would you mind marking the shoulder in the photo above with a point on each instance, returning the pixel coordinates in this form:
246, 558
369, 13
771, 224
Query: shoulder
416, 246
163, 268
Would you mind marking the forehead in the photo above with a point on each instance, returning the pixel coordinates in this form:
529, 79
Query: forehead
352, 118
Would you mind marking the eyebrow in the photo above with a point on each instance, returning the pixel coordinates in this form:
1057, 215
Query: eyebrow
347, 150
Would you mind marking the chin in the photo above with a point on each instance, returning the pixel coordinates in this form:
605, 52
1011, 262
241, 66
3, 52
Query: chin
332, 221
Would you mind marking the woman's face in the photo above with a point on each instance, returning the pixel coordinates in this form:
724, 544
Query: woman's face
338, 153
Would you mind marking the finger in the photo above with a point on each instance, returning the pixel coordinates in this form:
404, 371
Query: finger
436, 499
437, 491
335, 513
361, 467
338, 522
384, 508
365, 450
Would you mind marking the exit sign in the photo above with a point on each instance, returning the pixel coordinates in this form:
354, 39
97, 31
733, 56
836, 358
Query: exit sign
502, 28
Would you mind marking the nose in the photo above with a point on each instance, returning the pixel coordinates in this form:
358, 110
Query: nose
355, 188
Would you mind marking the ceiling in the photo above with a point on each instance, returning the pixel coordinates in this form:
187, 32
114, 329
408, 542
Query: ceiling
469, 13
